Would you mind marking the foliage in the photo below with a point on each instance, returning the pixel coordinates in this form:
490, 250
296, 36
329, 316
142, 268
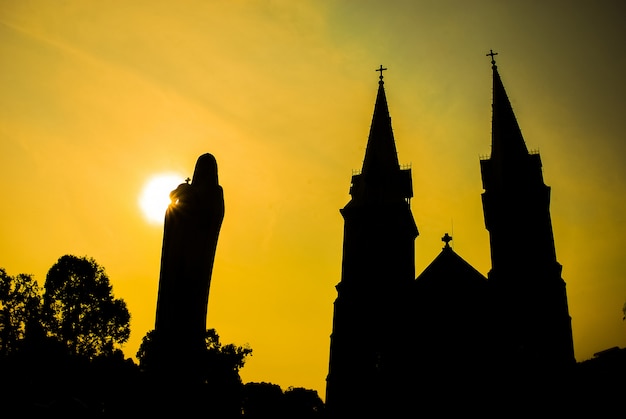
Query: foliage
220, 374
302, 403
231, 356
80, 310
214, 383
20, 304
146, 352
227, 357
263, 400
62, 347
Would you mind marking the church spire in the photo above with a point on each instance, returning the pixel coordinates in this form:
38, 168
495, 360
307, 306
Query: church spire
525, 276
381, 157
378, 266
507, 142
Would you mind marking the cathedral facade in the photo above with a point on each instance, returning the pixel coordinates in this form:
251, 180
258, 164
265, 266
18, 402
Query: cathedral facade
397, 340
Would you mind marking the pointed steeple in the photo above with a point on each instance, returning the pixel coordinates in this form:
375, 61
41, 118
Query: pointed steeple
381, 157
525, 277
507, 143
377, 270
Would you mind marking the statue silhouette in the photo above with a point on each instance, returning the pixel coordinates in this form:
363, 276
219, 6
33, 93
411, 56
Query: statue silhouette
192, 225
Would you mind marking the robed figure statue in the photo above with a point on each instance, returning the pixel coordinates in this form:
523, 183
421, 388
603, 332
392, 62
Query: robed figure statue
192, 225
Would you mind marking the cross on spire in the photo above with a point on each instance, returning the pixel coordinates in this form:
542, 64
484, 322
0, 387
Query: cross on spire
381, 69
446, 239
492, 54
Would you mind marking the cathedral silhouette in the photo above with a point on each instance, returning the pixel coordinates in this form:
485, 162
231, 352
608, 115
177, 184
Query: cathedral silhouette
400, 342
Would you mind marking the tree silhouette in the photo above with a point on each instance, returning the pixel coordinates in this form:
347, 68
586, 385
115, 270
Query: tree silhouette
262, 400
214, 385
229, 357
302, 403
220, 375
79, 308
20, 304
267, 400
146, 354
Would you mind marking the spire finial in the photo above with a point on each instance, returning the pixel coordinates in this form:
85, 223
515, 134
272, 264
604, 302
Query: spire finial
446, 239
493, 61
381, 69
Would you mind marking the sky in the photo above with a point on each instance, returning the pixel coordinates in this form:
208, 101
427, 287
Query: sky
100, 97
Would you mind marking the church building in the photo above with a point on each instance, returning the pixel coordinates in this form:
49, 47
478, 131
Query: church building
396, 337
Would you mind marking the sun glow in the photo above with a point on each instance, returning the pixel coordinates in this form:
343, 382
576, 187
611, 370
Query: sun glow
155, 197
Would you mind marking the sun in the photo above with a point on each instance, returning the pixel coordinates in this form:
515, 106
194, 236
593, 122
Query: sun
155, 198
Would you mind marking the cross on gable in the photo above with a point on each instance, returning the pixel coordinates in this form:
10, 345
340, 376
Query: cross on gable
446, 239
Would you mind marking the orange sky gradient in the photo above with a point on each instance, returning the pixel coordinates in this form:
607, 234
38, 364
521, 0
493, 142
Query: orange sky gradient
98, 97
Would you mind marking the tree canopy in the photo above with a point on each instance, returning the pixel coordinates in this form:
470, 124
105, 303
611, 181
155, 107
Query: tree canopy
80, 309
228, 358
20, 304
62, 343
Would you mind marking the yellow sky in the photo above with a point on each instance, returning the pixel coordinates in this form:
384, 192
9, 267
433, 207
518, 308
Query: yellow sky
97, 97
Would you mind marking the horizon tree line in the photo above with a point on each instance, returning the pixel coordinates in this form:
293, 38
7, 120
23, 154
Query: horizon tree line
61, 352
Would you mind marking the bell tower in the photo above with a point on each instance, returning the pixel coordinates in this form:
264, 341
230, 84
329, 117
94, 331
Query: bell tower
530, 296
378, 266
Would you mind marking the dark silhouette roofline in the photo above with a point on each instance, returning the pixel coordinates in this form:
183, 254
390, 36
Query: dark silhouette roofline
449, 265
